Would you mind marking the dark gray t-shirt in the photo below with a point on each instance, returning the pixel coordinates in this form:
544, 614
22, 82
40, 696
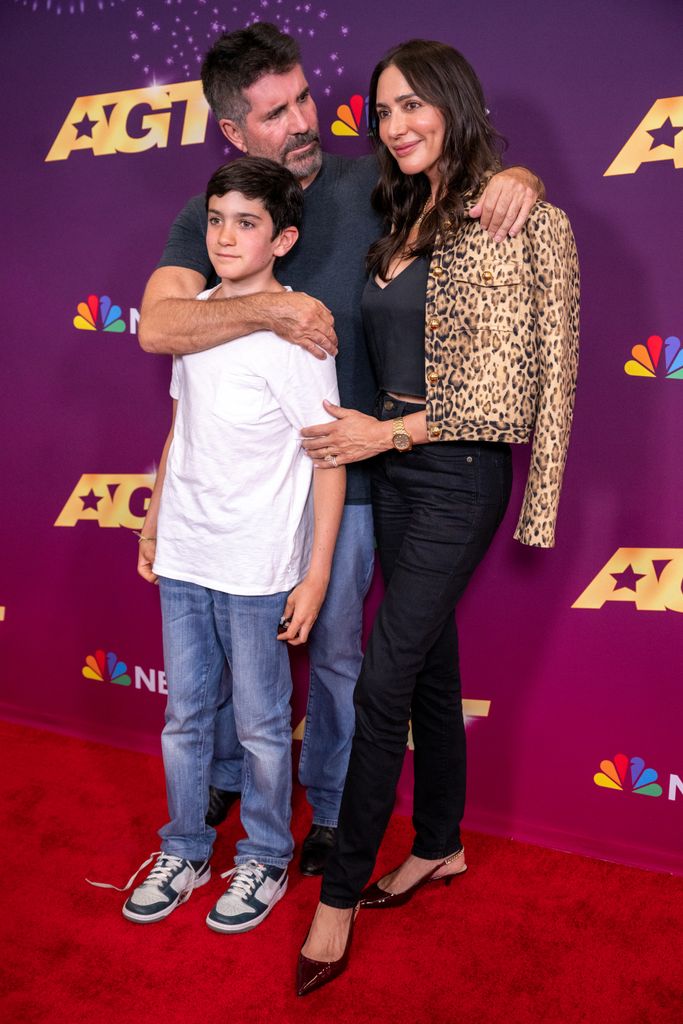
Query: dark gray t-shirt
327, 262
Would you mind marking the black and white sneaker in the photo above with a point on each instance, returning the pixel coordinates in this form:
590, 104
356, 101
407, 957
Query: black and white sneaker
253, 892
169, 883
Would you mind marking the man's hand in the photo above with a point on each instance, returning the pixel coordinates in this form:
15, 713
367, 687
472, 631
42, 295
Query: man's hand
304, 321
172, 322
506, 202
301, 610
352, 436
146, 552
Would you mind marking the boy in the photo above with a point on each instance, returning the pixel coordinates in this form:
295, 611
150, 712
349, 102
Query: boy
229, 531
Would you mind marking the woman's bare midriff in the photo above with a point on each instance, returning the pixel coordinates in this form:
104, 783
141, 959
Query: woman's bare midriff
414, 399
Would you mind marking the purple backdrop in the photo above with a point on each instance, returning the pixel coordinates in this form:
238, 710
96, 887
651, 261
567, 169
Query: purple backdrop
570, 657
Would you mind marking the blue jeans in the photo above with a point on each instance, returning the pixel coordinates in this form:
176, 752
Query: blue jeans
204, 630
335, 656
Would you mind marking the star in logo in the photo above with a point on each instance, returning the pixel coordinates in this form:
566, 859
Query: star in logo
90, 500
627, 579
665, 135
84, 126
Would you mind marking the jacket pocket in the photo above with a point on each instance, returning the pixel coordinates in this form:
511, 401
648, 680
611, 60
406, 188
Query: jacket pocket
487, 294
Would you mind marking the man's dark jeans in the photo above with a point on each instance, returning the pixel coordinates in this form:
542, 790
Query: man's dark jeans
436, 510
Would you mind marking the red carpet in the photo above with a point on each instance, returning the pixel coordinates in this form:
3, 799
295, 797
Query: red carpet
528, 935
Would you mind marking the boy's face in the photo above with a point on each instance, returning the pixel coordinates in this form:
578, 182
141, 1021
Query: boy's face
239, 239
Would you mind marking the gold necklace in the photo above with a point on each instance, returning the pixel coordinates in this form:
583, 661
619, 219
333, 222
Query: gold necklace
427, 208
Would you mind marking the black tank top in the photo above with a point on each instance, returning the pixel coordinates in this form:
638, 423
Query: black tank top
393, 318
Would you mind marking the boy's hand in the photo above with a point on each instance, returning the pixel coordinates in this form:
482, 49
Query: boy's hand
146, 552
301, 610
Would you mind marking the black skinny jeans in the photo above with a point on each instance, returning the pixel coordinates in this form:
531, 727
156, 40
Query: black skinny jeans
436, 509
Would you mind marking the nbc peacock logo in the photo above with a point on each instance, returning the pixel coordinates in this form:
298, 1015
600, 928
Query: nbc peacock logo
106, 668
350, 116
99, 314
628, 775
647, 359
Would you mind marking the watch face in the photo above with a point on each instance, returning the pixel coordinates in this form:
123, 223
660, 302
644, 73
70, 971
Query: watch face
402, 442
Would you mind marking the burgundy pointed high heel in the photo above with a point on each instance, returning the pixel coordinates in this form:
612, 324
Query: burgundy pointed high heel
374, 898
311, 974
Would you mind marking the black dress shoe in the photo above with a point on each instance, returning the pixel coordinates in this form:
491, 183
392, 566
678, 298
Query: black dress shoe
316, 848
311, 974
375, 898
220, 802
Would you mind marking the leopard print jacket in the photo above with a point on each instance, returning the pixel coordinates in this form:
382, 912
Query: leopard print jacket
501, 349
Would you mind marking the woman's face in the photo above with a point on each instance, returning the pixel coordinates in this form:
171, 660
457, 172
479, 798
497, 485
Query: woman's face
411, 129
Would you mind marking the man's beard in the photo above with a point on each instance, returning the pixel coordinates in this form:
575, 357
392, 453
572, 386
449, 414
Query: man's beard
306, 164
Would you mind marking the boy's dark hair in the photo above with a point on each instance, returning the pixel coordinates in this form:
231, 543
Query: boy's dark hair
258, 178
238, 59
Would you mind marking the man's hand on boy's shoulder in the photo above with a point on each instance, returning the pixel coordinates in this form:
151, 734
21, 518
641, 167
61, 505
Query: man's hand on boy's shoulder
302, 320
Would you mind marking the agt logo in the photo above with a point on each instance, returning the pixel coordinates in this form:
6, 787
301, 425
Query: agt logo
107, 668
101, 314
630, 775
657, 137
109, 499
132, 121
350, 116
649, 578
647, 361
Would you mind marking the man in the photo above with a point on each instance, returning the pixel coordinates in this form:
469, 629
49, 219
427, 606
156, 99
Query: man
256, 87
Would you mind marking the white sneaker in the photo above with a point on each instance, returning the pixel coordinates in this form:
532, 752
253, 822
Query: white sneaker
253, 892
169, 883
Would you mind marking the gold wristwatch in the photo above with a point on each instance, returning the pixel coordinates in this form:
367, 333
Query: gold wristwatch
401, 439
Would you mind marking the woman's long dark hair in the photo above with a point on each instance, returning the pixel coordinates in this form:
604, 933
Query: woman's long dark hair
439, 75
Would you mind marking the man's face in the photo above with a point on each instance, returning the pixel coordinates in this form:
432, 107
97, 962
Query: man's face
282, 124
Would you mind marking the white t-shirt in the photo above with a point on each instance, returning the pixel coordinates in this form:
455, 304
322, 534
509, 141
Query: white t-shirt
236, 513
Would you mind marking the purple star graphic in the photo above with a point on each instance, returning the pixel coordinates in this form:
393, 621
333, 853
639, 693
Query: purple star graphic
665, 135
84, 126
627, 579
90, 500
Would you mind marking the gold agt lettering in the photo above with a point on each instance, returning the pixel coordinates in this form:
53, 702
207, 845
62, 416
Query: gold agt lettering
131, 121
657, 137
649, 578
109, 500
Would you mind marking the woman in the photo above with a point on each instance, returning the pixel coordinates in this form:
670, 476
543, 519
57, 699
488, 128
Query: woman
474, 345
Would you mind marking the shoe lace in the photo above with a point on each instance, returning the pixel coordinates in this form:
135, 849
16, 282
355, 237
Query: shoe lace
246, 878
164, 869
160, 873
